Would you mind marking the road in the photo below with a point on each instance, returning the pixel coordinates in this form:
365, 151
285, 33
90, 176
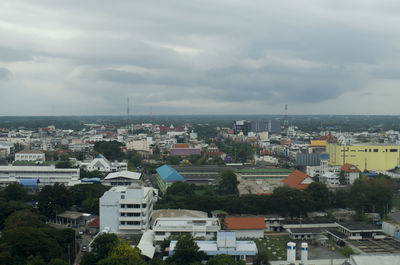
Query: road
395, 215
84, 241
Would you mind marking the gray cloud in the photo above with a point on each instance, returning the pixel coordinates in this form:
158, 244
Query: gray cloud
198, 56
5, 74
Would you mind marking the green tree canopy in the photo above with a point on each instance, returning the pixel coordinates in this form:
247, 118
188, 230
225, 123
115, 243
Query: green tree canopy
228, 183
186, 252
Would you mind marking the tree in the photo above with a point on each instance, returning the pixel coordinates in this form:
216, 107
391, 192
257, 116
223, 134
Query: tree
64, 164
223, 259
319, 194
123, 254
186, 252
342, 178
261, 258
54, 199
111, 150
228, 183
103, 245
14, 192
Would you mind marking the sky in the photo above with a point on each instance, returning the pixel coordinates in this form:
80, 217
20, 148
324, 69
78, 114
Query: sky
69, 57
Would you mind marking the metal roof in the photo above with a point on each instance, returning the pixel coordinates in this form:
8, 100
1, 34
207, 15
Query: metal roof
29, 182
169, 174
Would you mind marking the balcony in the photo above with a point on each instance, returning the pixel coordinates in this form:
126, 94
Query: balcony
130, 218
129, 227
129, 210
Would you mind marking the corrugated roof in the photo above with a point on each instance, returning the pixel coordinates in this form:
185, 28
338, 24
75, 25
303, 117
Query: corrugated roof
95, 222
169, 174
295, 179
349, 168
185, 151
244, 223
29, 182
180, 146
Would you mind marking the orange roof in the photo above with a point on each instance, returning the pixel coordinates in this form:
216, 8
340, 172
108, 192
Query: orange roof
244, 223
295, 180
349, 168
317, 143
180, 146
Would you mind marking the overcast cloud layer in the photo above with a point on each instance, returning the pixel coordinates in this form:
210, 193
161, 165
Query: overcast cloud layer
199, 57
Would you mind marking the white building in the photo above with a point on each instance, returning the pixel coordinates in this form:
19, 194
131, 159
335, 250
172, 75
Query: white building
123, 178
127, 210
206, 228
30, 156
142, 146
47, 175
226, 243
330, 179
100, 163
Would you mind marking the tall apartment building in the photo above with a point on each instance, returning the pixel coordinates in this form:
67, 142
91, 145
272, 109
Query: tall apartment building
127, 210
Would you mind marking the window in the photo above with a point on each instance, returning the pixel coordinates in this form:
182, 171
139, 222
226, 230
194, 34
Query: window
160, 233
144, 205
393, 150
130, 205
122, 214
375, 150
122, 196
122, 222
370, 150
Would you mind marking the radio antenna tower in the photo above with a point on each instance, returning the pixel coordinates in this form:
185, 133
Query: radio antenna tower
286, 119
127, 110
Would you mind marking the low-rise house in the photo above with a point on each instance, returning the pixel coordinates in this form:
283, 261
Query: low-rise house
35, 156
226, 243
298, 180
246, 227
351, 173
330, 179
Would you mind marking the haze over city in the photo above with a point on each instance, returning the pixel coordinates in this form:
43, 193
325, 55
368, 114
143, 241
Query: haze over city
199, 57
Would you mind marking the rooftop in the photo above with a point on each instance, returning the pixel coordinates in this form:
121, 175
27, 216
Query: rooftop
169, 174
295, 180
124, 174
244, 223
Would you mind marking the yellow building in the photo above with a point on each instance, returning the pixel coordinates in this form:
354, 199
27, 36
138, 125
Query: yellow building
379, 157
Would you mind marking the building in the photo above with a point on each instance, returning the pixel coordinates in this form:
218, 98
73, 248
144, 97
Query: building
308, 159
30, 156
355, 231
364, 157
74, 219
274, 223
127, 210
226, 243
351, 173
100, 163
373, 259
274, 126
122, 178
259, 126
298, 180
246, 227
330, 179
184, 152
143, 146
242, 127
205, 228
47, 175
166, 176
201, 175
9, 147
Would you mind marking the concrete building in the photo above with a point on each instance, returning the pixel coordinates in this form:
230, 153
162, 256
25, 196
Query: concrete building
246, 227
166, 176
122, 178
226, 243
206, 228
47, 175
351, 173
30, 156
330, 179
142, 146
127, 210
242, 127
100, 163
369, 157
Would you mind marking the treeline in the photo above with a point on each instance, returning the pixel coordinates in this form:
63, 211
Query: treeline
363, 196
25, 236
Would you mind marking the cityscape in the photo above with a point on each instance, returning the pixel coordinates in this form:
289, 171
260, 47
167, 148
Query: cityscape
199, 132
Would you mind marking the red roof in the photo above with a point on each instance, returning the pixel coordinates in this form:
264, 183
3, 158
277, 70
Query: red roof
294, 180
244, 223
95, 222
349, 168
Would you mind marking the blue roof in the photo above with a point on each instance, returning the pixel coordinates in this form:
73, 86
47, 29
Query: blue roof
169, 174
95, 180
29, 182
